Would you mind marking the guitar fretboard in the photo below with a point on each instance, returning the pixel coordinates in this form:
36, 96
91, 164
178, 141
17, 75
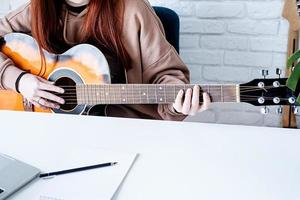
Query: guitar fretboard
148, 93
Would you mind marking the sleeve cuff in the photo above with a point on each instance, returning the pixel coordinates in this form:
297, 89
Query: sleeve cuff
172, 111
11, 76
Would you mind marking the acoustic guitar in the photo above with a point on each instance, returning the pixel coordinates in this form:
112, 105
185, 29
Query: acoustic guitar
291, 14
83, 72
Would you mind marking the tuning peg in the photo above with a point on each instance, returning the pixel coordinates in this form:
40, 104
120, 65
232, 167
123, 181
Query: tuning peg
292, 100
279, 110
296, 110
278, 72
265, 73
276, 84
265, 110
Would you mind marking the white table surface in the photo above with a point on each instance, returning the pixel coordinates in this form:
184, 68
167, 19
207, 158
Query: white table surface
178, 160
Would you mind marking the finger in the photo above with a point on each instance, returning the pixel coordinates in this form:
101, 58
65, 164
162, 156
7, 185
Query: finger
178, 101
206, 102
187, 102
48, 104
49, 96
38, 105
45, 81
195, 100
49, 87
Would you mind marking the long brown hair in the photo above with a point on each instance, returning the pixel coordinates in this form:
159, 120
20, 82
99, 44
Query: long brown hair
103, 26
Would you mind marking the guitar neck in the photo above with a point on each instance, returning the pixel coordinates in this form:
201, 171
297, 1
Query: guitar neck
149, 93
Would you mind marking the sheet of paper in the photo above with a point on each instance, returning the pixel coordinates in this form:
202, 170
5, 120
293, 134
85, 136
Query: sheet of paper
96, 184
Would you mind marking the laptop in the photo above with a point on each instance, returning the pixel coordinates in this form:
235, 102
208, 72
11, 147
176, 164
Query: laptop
14, 175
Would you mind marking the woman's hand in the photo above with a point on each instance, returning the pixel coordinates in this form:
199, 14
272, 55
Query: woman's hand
188, 102
37, 90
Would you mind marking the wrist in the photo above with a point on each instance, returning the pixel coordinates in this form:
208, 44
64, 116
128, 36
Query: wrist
17, 83
9, 77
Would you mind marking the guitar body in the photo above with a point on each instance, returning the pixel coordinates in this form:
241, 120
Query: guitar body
82, 64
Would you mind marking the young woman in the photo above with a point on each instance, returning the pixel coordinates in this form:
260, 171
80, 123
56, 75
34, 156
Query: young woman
127, 31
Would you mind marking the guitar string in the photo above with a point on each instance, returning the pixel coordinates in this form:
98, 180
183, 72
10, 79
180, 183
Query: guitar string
142, 91
156, 100
76, 91
156, 85
121, 102
139, 95
139, 91
156, 103
132, 96
119, 87
167, 89
138, 99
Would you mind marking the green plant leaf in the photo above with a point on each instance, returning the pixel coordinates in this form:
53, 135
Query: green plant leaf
298, 99
294, 78
293, 59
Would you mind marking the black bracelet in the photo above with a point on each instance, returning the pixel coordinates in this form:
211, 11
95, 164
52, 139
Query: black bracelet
2, 41
18, 81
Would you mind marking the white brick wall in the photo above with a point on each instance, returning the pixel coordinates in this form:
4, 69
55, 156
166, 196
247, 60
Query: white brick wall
226, 41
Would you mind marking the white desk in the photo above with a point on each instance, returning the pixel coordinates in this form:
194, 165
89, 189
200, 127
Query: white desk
178, 160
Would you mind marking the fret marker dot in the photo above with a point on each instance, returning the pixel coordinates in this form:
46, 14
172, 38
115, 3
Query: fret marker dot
123, 88
98, 94
106, 94
144, 94
124, 100
160, 88
161, 99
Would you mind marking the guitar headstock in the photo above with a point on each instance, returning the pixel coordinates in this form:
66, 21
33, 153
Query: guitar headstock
268, 92
291, 12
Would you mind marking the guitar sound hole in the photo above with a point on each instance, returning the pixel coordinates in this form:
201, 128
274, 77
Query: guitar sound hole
70, 95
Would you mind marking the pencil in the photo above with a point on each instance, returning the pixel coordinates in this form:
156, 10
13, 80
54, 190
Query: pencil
68, 171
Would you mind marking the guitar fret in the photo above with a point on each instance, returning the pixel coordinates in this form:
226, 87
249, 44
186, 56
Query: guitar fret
101, 94
129, 94
90, 94
164, 87
107, 94
160, 97
169, 93
148, 101
152, 94
115, 100
156, 96
144, 94
95, 96
140, 91
86, 93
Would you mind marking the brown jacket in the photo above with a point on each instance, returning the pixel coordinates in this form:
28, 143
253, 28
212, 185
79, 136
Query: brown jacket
153, 59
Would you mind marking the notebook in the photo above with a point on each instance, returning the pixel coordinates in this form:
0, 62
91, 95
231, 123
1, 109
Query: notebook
96, 184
